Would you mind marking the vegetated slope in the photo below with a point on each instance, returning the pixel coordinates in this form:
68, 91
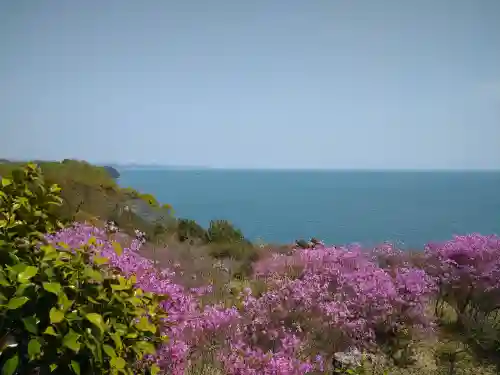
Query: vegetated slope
89, 193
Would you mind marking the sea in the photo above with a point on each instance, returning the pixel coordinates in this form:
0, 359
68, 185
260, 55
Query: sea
408, 208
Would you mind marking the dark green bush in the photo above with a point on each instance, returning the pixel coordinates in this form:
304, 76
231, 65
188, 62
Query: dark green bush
61, 313
130, 193
190, 230
222, 231
302, 244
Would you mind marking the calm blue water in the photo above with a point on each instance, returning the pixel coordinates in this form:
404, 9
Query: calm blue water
339, 207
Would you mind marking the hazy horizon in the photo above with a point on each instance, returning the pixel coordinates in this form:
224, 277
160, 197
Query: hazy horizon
325, 85
131, 166
292, 169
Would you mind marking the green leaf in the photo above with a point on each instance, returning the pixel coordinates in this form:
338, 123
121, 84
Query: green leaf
64, 302
19, 267
10, 366
75, 366
62, 245
27, 274
145, 347
155, 370
93, 274
117, 287
118, 249
3, 279
54, 288
54, 188
109, 350
100, 260
31, 324
117, 340
96, 319
117, 362
50, 331
93, 300
136, 301
22, 288
17, 302
52, 367
71, 341
6, 181
34, 348
56, 316
144, 325
49, 252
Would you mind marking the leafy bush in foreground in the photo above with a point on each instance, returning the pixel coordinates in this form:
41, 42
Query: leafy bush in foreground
59, 312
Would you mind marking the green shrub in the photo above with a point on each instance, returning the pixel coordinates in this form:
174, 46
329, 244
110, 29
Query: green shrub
130, 193
222, 231
61, 313
190, 230
302, 244
149, 199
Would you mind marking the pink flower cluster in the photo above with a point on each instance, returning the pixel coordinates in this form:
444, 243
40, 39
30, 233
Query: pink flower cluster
343, 292
473, 259
188, 323
467, 272
316, 302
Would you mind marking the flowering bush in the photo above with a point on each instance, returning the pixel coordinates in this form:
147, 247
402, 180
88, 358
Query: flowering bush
340, 293
334, 298
188, 325
467, 272
466, 268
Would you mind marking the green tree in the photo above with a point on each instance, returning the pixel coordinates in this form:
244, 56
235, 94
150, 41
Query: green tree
222, 231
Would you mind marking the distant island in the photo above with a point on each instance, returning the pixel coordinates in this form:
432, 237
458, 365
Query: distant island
112, 171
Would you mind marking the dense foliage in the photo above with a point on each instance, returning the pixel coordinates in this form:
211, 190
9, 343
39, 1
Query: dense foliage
222, 231
61, 309
190, 230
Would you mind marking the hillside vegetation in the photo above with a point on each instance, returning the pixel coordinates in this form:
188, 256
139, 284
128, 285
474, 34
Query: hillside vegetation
77, 297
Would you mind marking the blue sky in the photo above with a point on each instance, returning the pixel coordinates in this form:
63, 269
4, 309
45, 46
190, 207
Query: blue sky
253, 84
